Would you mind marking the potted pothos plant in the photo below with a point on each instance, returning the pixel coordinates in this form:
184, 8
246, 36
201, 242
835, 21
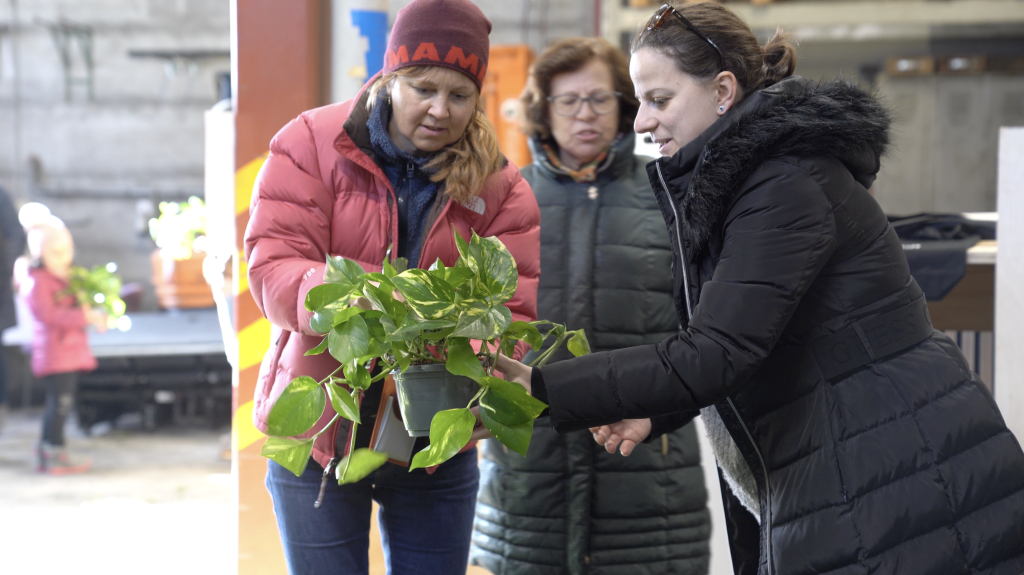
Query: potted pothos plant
99, 288
416, 321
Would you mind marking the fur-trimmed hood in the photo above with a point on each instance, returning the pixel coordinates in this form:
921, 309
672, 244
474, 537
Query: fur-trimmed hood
795, 117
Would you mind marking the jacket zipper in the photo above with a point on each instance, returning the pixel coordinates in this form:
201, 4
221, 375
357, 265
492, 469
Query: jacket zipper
732, 406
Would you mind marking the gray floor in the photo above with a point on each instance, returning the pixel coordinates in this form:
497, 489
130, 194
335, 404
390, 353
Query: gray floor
153, 502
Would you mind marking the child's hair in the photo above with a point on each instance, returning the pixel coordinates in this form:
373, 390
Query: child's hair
462, 167
37, 235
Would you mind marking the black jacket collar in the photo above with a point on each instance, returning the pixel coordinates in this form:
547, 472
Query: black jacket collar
793, 117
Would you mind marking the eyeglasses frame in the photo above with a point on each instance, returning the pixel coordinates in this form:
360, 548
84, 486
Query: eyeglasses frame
658, 19
551, 99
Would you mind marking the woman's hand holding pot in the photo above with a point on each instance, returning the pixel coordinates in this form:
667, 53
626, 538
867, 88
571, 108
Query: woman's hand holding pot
515, 371
512, 371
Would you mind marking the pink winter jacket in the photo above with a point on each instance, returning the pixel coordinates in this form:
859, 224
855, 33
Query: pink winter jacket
320, 193
59, 341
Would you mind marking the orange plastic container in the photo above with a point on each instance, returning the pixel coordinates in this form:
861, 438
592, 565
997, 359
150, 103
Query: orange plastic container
507, 71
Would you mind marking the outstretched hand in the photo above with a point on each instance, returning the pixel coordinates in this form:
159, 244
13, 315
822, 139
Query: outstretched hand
513, 371
625, 435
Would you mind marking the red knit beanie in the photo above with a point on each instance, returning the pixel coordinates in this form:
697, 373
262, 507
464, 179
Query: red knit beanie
449, 33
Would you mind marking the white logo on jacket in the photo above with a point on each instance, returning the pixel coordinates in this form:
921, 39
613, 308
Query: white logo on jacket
476, 204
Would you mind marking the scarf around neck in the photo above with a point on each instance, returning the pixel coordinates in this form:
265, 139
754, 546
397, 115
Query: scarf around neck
585, 173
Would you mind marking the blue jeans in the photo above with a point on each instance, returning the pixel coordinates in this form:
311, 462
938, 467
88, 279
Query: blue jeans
425, 520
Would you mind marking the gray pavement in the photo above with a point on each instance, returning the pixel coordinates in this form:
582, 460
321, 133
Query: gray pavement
153, 502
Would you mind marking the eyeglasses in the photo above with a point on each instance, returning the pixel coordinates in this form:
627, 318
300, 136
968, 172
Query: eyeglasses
571, 104
658, 20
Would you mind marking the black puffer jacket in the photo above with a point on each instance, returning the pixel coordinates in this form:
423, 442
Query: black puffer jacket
872, 446
13, 246
569, 506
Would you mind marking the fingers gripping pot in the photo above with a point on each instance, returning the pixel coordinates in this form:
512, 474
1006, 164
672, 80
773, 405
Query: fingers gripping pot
423, 337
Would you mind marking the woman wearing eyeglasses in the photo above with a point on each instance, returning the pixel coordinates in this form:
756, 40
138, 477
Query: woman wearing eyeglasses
569, 506
851, 436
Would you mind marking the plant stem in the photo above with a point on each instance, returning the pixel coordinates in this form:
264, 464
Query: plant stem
328, 378
388, 368
480, 393
351, 448
330, 423
546, 356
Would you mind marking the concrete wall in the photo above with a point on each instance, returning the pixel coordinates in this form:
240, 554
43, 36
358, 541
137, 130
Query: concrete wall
102, 163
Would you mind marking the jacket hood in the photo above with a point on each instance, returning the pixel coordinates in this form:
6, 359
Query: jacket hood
619, 161
795, 117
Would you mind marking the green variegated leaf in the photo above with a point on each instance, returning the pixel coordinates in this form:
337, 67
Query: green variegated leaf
462, 360
450, 431
357, 375
378, 336
382, 279
412, 327
435, 335
522, 330
508, 402
454, 276
344, 402
437, 266
350, 340
326, 294
428, 296
389, 325
318, 349
481, 321
382, 300
515, 437
342, 271
358, 465
298, 409
333, 315
402, 357
578, 344
493, 266
292, 454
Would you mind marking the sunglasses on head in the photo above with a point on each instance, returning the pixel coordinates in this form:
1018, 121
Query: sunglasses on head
659, 18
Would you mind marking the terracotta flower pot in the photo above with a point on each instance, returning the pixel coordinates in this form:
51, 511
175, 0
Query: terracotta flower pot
180, 284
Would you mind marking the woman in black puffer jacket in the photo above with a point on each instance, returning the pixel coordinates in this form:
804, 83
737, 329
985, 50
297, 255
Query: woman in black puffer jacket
568, 506
852, 436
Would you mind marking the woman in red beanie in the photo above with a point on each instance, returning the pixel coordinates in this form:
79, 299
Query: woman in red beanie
399, 165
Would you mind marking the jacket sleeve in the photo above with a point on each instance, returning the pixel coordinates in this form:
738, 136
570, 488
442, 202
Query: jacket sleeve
517, 225
288, 235
42, 300
777, 236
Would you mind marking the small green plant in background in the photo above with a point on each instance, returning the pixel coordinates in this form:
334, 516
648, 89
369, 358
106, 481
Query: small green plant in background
181, 227
99, 288
440, 311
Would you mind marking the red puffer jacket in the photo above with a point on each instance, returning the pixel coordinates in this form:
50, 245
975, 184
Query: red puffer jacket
320, 193
59, 341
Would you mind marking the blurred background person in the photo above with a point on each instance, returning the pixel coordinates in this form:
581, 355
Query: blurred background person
12, 245
402, 164
60, 345
605, 257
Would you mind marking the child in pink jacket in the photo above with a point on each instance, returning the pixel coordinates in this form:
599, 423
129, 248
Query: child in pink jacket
60, 346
